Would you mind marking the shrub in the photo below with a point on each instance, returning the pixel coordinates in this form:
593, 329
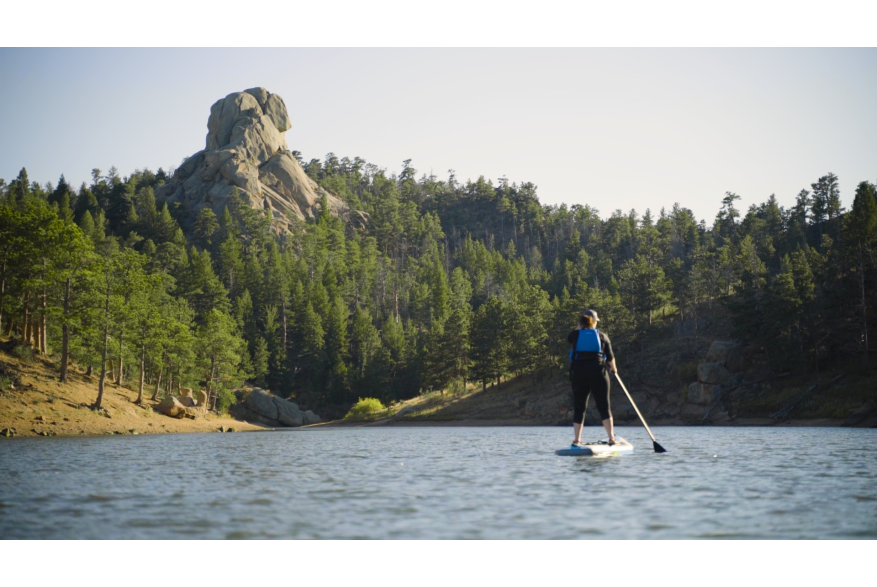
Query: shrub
5, 382
225, 398
365, 409
24, 353
457, 387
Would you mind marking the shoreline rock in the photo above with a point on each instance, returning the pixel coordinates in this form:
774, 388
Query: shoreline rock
273, 411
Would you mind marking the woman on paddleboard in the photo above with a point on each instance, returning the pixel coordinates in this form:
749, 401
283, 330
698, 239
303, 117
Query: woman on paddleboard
591, 361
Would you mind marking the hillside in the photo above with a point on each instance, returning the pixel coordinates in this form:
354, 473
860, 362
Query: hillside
34, 403
659, 380
331, 280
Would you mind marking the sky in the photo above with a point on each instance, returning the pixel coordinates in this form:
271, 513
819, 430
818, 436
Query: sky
612, 128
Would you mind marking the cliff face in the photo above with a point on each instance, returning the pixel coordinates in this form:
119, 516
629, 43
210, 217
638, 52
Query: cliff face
246, 149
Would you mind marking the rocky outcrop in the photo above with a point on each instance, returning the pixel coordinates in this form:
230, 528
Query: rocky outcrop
272, 410
186, 405
728, 353
246, 150
175, 408
171, 406
262, 403
288, 413
704, 397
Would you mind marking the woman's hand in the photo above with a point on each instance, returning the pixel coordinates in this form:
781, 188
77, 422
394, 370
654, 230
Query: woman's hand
612, 368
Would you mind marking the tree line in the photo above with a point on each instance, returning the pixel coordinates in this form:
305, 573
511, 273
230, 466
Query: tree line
450, 282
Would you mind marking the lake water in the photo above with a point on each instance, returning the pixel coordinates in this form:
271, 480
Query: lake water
449, 482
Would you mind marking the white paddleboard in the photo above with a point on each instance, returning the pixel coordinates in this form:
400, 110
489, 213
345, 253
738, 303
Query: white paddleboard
594, 449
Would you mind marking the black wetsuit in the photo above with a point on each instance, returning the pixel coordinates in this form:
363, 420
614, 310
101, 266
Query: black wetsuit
588, 374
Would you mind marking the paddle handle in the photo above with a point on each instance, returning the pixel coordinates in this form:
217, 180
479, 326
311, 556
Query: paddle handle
643, 420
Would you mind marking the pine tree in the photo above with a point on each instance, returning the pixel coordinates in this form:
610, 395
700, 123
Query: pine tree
260, 361
336, 348
62, 192
220, 351
230, 264
439, 293
20, 189
861, 228
72, 266
120, 211
204, 227
489, 342
201, 287
826, 199
364, 341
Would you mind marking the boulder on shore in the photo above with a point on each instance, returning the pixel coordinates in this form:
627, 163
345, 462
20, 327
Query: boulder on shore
288, 413
273, 410
712, 373
262, 402
171, 406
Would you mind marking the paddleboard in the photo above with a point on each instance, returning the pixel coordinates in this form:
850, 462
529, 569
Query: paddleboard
594, 449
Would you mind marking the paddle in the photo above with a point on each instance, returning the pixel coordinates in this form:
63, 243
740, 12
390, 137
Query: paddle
658, 447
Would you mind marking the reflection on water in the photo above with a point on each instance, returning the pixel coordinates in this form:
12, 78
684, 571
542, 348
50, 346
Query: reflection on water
442, 483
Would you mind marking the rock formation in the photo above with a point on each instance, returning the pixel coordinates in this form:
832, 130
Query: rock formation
174, 408
704, 397
262, 407
187, 405
246, 149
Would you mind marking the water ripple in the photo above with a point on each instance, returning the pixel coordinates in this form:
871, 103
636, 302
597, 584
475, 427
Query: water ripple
464, 483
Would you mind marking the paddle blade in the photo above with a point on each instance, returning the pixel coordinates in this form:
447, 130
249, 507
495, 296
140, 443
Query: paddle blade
658, 447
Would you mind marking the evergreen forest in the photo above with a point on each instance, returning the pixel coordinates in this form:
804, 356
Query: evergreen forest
449, 283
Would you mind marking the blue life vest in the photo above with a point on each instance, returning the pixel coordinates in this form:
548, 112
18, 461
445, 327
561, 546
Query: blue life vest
588, 342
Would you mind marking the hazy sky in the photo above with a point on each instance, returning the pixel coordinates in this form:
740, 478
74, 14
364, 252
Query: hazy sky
611, 128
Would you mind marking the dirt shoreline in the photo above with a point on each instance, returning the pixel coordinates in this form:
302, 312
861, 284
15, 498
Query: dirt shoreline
40, 405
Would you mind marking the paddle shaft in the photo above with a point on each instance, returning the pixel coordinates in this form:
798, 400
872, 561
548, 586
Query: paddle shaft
643, 420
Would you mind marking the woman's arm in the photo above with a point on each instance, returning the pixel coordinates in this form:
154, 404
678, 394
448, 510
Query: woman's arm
610, 356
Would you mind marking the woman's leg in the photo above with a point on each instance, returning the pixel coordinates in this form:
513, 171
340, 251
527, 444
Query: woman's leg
580, 395
600, 385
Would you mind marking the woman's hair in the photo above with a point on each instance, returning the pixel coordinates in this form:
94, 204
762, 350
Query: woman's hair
586, 321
